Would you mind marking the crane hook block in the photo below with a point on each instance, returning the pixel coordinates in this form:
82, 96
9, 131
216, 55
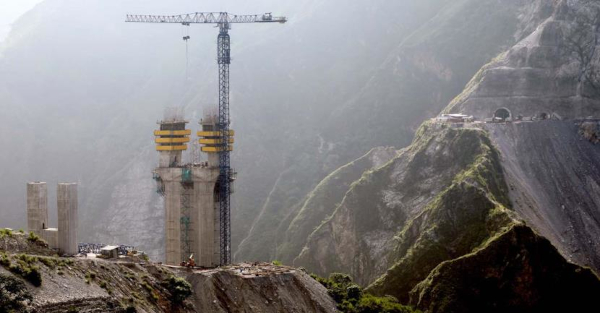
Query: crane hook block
186, 38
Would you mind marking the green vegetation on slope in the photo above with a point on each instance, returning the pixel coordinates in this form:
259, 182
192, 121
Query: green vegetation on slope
469, 211
179, 288
13, 294
516, 271
322, 201
24, 266
350, 297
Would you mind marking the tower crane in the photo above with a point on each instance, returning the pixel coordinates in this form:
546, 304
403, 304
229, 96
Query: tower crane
223, 20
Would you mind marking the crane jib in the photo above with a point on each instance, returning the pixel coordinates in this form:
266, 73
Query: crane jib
205, 18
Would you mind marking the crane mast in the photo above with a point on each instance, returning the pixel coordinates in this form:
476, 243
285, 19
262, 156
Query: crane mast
224, 21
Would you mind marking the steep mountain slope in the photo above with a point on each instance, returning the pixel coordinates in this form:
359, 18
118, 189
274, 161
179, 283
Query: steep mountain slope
554, 179
443, 183
324, 198
452, 222
518, 271
429, 65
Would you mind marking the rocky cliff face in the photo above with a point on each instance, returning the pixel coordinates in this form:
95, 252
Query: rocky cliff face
399, 198
541, 75
258, 289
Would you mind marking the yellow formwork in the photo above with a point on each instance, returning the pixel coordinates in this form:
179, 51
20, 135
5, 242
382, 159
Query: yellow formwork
214, 133
171, 148
214, 149
213, 141
172, 132
172, 140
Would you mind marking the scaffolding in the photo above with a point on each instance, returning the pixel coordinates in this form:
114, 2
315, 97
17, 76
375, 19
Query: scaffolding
187, 193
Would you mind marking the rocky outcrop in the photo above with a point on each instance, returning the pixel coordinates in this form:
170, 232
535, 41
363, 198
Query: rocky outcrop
276, 289
590, 130
537, 77
393, 209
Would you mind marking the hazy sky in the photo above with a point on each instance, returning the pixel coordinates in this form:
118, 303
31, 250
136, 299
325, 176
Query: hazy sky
10, 10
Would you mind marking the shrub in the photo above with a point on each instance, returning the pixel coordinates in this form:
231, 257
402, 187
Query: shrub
14, 295
49, 262
4, 260
30, 273
5, 232
371, 304
351, 299
28, 259
154, 296
276, 263
33, 238
179, 288
354, 292
24, 267
21, 231
341, 279
147, 286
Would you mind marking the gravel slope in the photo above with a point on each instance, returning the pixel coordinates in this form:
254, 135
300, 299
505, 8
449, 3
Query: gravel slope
554, 179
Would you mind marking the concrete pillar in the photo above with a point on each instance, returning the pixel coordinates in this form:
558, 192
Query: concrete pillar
204, 207
67, 218
37, 207
171, 178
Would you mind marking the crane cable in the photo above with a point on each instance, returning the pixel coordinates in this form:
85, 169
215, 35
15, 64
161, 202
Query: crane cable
186, 36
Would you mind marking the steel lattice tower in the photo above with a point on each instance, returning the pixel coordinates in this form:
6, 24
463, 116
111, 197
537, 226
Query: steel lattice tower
224, 59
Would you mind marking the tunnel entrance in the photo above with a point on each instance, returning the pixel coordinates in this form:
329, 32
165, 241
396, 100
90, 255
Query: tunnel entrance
502, 113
